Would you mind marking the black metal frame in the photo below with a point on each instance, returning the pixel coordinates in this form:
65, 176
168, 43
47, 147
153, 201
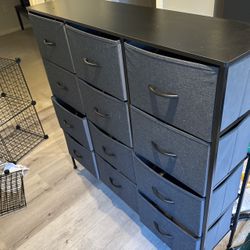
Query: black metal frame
217, 118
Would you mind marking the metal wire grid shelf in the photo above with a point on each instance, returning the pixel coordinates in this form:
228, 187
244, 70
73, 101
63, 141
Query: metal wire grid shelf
12, 195
20, 127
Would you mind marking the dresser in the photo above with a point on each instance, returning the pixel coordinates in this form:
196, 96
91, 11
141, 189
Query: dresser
155, 104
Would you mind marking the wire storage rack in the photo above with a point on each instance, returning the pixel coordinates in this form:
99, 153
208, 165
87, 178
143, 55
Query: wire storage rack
20, 127
12, 195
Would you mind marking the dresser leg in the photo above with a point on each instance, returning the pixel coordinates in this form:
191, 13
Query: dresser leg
241, 196
74, 163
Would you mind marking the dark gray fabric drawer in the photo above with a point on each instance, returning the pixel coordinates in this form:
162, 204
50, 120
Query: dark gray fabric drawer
237, 101
82, 155
64, 86
194, 83
179, 154
52, 40
117, 154
107, 112
219, 230
98, 61
232, 149
191, 161
242, 141
173, 235
172, 198
125, 189
74, 125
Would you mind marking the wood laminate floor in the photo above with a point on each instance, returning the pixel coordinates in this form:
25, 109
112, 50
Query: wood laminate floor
67, 209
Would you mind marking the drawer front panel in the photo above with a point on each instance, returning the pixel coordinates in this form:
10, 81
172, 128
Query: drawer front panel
82, 155
119, 184
219, 230
117, 154
232, 149
173, 235
182, 156
178, 92
166, 230
224, 195
98, 61
64, 86
170, 198
108, 113
242, 142
52, 41
237, 101
74, 125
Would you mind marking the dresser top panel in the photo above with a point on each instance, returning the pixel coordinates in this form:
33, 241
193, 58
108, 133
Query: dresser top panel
207, 39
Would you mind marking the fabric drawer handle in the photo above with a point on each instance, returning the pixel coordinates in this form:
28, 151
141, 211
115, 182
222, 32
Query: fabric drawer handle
115, 185
48, 43
77, 154
61, 86
101, 114
67, 124
157, 92
156, 225
104, 149
86, 61
162, 151
161, 196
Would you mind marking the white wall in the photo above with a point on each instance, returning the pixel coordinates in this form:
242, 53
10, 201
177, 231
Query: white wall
201, 7
8, 18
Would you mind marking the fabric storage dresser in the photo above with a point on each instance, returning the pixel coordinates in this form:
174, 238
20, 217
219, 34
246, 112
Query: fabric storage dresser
156, 105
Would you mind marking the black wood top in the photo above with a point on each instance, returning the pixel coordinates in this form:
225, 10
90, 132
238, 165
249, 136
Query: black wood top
207, 39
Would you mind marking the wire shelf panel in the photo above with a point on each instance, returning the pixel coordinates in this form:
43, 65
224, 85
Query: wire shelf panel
21, 134
12, 81
20, 127
9, 108
12, 195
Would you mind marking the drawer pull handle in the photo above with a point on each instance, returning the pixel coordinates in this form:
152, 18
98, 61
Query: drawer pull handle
48, 43
161, 196
77, 154
67, 124
86, 61
61, 86
160, 93
156, 225
101, 114
162, 151
104, 149
115, 185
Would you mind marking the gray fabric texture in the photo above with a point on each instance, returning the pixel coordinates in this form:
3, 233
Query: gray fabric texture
192, 218
218, 231
74, 125
119, 184
191, 162
116, 121
179, 239
82, 155
117, 154
52, 31
237, 101
64, 86
108, 75
194, 83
